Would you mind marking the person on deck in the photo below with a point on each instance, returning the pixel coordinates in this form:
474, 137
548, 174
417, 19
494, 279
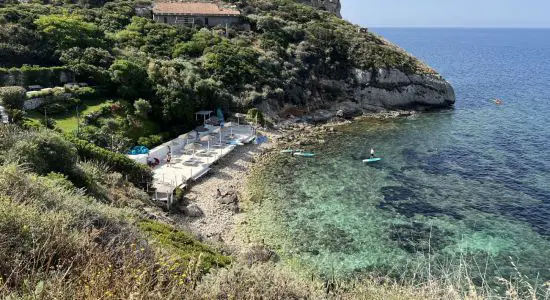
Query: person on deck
169, 156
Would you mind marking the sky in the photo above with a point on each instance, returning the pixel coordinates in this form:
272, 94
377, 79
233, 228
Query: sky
448, 13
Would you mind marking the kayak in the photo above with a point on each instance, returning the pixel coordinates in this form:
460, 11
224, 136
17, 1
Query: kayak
372, 160
304, 154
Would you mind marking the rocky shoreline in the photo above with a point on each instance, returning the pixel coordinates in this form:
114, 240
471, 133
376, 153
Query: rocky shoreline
216, 220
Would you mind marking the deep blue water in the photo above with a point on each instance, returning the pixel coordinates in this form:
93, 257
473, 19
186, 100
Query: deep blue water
471, 184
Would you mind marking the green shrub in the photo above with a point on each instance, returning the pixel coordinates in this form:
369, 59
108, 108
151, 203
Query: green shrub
255, 115
85, 93
142, 108
48, 123
16, 116
183, 245
152, 140
12, 97
138, 174
53, 108
43, 152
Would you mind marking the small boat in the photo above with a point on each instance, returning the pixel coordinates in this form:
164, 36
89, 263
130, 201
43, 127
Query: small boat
372, 160
497, 101
304, 154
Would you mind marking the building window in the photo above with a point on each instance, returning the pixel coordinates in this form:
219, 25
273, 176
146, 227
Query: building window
206, 21
165, 20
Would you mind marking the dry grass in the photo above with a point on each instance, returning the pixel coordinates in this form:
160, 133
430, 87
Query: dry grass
58, 242
272, 281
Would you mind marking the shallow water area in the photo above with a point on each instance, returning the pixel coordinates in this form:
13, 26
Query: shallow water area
470, 184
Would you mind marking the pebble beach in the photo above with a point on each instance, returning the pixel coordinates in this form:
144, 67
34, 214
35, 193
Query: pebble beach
218, 221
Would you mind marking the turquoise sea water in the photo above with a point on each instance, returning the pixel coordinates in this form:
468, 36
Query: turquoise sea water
470, 184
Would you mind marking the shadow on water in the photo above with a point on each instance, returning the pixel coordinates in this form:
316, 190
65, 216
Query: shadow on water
481, 168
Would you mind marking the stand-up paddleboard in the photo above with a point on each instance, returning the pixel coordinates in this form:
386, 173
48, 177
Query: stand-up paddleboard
372, 160
304, 154
291, 150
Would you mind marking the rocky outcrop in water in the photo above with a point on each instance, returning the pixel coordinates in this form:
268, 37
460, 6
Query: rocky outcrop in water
389, 89
372, 91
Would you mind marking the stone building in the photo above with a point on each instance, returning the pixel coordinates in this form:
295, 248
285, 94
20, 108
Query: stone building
195, 13
333, 6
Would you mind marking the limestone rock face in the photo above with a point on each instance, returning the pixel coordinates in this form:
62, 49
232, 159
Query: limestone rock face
387, 89
366, 91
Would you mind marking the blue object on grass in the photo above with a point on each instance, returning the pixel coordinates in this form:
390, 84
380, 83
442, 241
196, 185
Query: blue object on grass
137, 150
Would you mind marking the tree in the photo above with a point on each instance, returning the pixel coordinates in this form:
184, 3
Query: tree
131, 78
90, 56
255, 115
198, 43
12, 97
174, 83
67, 31
156, 39
90, 65
142, 108
19, 45
232, 64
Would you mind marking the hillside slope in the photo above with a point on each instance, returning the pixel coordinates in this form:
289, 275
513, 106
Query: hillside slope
291, 55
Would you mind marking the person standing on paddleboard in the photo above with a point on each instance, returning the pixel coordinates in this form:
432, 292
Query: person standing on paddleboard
372, 153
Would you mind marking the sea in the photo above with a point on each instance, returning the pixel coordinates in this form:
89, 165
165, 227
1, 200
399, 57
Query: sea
468, 186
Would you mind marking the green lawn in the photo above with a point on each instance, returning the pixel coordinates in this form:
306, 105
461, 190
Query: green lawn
68, 122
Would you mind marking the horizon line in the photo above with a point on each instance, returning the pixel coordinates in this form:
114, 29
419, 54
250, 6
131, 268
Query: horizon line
456, 27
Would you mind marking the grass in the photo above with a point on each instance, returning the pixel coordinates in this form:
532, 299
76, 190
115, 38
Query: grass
58, 243
69, 122
183, 245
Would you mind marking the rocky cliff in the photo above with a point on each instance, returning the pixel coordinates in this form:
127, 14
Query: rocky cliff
393, 89
369, 91
375, 75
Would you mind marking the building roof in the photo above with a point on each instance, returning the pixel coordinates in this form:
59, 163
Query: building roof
193, 8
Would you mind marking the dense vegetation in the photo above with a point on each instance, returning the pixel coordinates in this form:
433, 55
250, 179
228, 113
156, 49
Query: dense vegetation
69, 226
73, 222
288, 55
